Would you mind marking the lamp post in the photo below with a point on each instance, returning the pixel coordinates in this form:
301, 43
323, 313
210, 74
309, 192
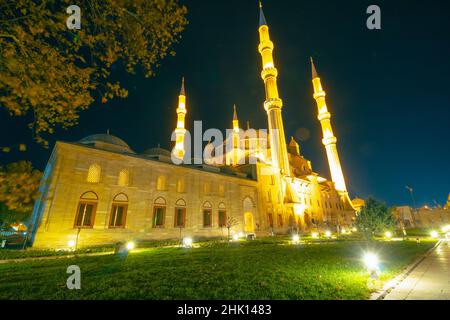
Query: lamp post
410, 190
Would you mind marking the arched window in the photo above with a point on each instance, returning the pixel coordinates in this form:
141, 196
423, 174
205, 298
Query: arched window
124, 178
180, 185
180, 214
222, 215
161, 183
248, 204
119, 211
207, 215
87, 207
159, 213
94, 173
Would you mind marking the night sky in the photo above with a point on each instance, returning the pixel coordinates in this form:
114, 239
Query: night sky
387, 90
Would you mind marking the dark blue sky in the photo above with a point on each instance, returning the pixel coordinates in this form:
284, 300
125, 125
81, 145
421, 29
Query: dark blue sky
388, 90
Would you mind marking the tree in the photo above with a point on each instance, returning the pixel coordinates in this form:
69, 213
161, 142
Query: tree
51, 73
375, 217
231, 222
19, 184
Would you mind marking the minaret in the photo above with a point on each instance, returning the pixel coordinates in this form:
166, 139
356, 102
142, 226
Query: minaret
235, 141
273, 103
180, 131
329, 140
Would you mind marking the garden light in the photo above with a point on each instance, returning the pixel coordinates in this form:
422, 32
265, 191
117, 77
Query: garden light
314, 235
388, 234
295, 238
235, 237
446, 228
71, 244
371, 261
434, 234
131, 245
343, 231
187, 242
328, 234
354, 229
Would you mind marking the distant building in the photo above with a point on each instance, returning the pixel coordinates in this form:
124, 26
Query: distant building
98, 190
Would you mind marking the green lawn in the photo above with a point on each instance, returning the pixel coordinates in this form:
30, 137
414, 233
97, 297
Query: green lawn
247, 270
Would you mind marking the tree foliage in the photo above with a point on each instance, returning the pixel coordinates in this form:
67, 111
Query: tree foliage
375, 217
52, 73
19, 184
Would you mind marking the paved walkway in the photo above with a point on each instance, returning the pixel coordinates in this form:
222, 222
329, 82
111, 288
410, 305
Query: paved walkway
430, 280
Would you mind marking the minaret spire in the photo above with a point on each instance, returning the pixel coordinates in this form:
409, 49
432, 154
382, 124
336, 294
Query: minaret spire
180, 131
182, 90
262, 18
329, 140
313, 69
273, 103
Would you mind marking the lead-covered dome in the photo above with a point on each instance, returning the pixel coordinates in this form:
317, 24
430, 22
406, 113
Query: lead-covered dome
107, 142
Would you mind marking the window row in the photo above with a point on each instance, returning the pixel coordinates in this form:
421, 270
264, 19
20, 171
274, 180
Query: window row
95, 172
87, 208
123, 179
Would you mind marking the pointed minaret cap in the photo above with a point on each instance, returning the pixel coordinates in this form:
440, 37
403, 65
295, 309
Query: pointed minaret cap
262, 18
235, 117
313, 69
293, 142
182, 91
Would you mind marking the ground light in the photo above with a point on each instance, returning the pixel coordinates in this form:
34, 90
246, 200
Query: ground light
130, 245
446, 228
354, 229
71, 244
388, 235
296, 239
187, 242
314, 235
371, 262
343, 231
328, 234
434, 234
235, 237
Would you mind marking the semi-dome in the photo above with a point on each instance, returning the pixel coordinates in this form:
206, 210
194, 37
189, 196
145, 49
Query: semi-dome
107, 142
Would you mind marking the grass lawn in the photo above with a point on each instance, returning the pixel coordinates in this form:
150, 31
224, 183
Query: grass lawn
246, 270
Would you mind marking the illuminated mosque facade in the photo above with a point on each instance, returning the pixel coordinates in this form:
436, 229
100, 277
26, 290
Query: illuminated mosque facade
98, 190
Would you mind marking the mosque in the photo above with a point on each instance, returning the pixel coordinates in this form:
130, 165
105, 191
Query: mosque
99, 190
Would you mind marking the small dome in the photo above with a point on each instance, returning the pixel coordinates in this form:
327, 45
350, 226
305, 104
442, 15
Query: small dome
157, 152
107, 142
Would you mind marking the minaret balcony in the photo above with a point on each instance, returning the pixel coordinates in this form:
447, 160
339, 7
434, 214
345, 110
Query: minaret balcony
269, 72
265, 45
320, 94
323, 116
329, 140
274, 103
